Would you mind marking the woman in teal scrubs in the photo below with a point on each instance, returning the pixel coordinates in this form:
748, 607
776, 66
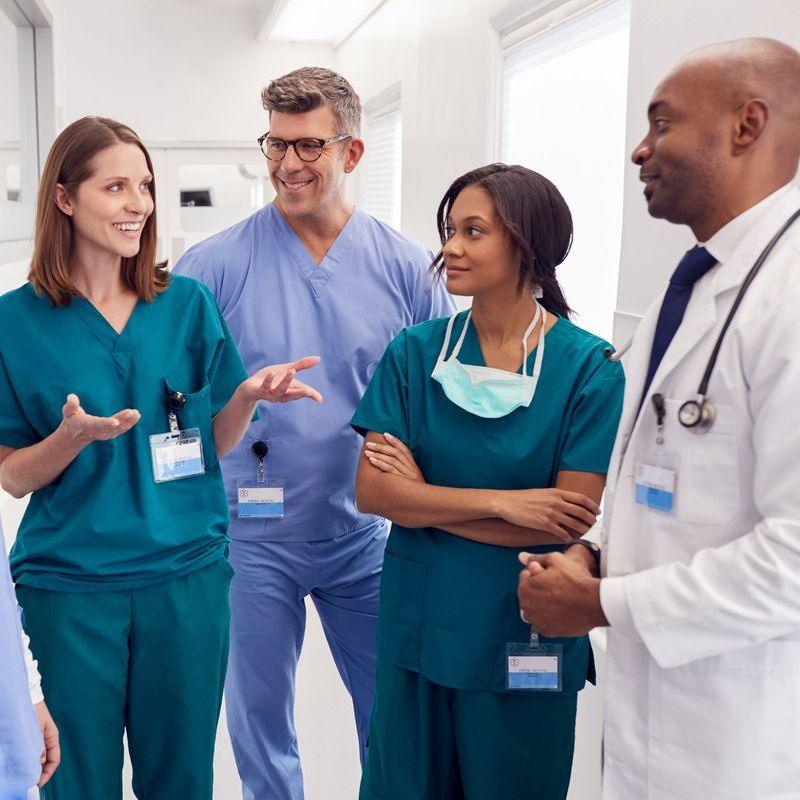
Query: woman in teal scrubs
122, 578
485, 433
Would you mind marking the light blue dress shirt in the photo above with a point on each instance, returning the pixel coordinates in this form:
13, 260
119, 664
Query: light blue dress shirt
20, 740
280, 305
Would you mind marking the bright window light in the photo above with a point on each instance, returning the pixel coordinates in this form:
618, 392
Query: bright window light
563, 115
312, 21
380, 191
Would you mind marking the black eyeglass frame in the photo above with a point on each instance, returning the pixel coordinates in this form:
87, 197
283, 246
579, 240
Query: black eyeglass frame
292, 143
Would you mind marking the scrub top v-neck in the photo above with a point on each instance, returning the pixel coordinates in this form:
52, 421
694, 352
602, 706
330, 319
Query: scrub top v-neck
104, 523
448, 605
281, 305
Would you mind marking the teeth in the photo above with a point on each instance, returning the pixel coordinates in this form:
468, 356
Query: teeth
127, 226
298, 184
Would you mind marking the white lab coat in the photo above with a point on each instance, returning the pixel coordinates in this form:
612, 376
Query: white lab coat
702, 682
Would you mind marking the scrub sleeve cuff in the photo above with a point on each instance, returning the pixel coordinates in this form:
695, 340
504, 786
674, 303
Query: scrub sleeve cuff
34, 678
615, 606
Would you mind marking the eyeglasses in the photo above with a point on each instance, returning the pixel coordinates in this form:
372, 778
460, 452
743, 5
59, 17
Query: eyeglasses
307, 149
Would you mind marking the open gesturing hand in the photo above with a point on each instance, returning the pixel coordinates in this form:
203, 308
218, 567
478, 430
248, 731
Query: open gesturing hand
277, 383
87, 428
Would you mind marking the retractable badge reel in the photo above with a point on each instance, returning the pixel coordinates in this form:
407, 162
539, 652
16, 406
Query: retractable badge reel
179, 453
657, 474
533, 666
259, 498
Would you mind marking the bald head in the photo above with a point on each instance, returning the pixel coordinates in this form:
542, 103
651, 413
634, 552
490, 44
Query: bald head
746, 69
724, 132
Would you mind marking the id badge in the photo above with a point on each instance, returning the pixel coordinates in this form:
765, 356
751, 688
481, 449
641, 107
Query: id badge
176, 455
534, 667
656, 479
258, 501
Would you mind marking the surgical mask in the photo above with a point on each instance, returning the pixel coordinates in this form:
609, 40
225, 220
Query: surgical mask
486, 391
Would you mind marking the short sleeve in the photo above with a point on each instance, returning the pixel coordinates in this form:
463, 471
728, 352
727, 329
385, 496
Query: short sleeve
226, 370
384, 407
15, 429
594, 420
192, 265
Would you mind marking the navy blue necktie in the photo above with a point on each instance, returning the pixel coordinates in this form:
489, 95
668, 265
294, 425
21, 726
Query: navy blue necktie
692, 267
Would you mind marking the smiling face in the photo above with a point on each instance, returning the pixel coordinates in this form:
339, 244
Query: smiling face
479, 255
311, 188
684, 162
110, 209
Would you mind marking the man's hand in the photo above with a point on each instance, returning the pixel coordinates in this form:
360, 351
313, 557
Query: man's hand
580, 555
277, 383
51, 756
558, 595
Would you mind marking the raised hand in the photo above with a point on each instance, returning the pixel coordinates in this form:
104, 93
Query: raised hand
87, 428
277, 383
392, 456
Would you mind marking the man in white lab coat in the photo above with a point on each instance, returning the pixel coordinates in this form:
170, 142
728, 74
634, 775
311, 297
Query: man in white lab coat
700, 538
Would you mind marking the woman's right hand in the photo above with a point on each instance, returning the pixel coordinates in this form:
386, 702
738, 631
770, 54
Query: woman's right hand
567, 515
84, 428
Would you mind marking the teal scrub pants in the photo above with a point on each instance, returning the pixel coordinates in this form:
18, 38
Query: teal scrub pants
149, 662
429, 742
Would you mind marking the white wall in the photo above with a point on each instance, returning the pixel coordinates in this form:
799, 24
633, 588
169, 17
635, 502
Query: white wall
183, 71
661, 33
175, 71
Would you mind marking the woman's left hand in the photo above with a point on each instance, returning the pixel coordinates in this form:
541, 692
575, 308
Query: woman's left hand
394, 457
277, 383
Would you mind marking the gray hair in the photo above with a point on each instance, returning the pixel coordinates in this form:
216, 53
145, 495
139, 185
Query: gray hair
308, 88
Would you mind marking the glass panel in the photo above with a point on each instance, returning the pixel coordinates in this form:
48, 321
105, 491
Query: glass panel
10, 118
18, 140
564, 111
214, 196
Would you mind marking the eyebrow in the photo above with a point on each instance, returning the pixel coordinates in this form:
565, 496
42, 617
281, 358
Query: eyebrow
656, 106
471, 218
123, 178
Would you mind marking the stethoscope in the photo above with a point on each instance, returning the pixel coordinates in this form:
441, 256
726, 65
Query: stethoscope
698, 415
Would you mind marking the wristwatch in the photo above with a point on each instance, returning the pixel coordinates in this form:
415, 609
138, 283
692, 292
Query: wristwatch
590, 546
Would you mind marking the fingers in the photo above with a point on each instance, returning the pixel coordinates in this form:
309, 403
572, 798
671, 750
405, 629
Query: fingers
72, 406
52, 754
305, 363
383, 466
578, 499
298, 389
279, 389
127, 418
395, 464
403, 455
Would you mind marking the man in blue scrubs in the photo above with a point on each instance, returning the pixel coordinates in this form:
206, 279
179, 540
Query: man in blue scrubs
309, 273
21, 742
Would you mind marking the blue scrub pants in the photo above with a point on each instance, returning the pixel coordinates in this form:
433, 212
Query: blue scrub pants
268, 618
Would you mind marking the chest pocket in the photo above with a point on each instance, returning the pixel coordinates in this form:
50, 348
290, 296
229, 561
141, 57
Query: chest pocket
709, 485
197, 414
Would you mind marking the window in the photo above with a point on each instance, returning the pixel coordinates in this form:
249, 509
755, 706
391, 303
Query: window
563, 115
381, 180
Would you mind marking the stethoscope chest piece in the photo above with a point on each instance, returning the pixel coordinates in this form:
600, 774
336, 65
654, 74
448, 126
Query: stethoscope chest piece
697, 415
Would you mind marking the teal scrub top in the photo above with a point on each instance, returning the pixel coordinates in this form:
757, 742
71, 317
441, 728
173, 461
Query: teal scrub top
104, 523
448, 605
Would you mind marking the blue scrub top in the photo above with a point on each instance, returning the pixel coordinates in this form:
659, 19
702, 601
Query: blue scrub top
280, 305
105, 524
448, 605
20, 739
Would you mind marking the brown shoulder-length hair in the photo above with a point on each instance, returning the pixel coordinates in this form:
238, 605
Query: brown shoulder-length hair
70, 164
535, 215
